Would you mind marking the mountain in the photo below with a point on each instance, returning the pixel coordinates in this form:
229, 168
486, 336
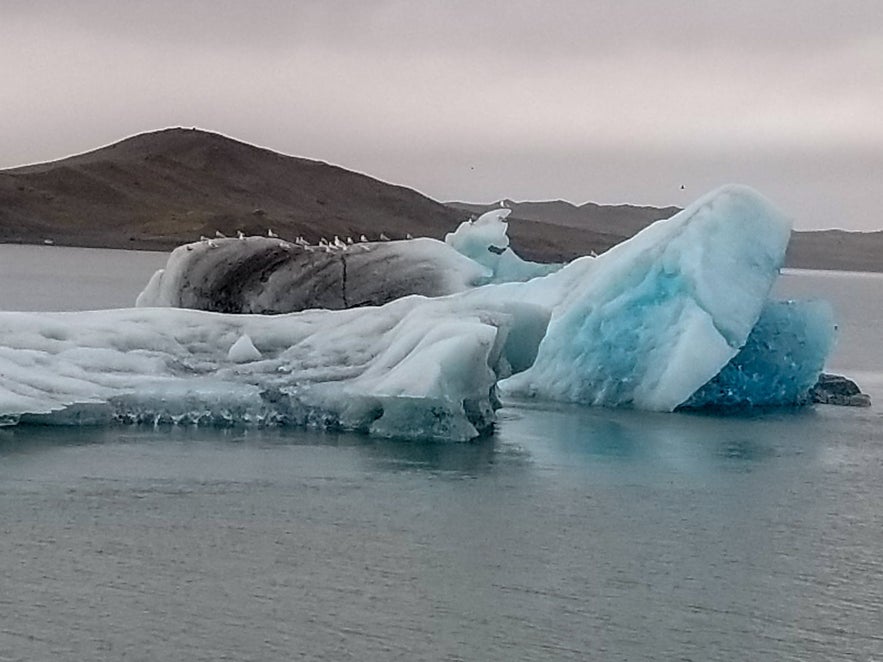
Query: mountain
825, 249
836, 249
160, 189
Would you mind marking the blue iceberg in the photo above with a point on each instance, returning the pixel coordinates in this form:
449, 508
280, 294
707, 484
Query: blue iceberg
678, 316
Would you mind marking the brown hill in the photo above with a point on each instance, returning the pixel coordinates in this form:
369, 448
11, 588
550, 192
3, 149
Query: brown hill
160, 189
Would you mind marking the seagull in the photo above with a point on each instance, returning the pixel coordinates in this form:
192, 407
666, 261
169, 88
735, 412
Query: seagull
271, 234
503, 204
349, 241
363, 239
338, 243
240, 234
300, 241
323, 241
409, 236
383, 237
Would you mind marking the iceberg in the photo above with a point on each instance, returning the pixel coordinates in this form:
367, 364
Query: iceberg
677, 316
486, 241
417, 367
266, 275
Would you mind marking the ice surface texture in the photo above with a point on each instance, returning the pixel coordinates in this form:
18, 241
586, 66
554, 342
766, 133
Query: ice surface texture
779, 364
270, 275
645, 325
414, 368
653, 319
486, 241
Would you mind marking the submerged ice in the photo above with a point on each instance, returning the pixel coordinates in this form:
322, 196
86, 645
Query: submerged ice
677, 316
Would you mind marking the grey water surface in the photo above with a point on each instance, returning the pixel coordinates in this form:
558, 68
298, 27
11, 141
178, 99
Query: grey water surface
570, 534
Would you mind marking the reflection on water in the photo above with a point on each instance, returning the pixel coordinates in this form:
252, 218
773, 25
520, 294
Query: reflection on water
570, 533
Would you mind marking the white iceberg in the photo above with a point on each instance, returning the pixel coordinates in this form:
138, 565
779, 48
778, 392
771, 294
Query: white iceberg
485, 240
646, 325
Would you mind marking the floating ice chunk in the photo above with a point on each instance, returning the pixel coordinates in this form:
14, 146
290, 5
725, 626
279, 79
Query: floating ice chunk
486, 241
418, 367
472, 238
243, 351
266, 276
646, 325
654, 318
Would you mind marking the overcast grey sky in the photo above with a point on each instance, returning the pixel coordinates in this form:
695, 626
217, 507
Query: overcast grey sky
610, 101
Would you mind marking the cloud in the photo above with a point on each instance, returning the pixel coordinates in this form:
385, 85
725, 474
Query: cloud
573, 83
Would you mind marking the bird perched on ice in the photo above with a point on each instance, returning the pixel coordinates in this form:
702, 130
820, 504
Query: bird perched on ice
363, 239
220, 235
383, 237
337, 243
240, 234
271, 234
300, 241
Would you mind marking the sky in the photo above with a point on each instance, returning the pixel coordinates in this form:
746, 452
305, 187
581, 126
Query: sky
611, 101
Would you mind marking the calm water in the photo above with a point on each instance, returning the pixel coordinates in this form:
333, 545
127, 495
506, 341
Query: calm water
571, 534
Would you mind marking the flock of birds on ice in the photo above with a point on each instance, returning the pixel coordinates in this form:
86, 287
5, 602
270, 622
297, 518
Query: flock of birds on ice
334, 245
325, 245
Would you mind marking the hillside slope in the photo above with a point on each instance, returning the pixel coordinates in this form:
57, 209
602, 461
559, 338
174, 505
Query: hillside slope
160, 189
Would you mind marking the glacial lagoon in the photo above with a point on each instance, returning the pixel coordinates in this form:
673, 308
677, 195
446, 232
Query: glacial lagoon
570, 533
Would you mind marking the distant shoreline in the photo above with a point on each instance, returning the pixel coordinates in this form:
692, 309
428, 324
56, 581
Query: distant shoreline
846, 266
161, 189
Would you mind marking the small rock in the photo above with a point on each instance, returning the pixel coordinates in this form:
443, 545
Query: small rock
838, 390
